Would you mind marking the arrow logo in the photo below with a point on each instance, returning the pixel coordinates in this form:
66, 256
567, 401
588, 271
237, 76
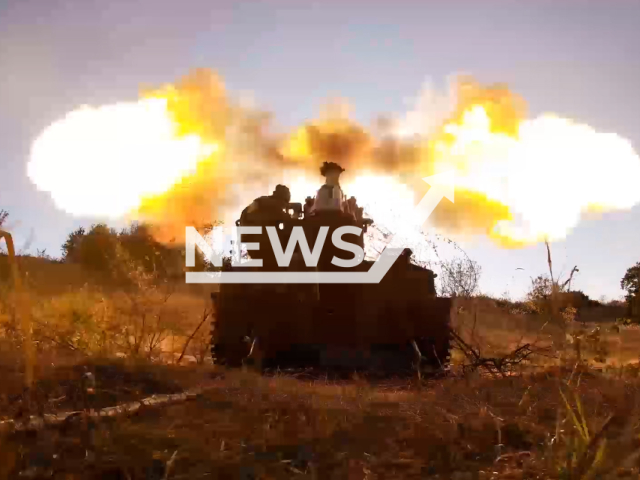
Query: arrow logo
442, 186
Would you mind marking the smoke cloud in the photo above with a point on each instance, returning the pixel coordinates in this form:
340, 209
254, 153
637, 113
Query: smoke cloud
234, 154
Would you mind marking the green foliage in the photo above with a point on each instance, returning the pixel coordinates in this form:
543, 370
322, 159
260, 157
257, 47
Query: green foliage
584, 449
543, 292
630, 283
102, 249
541, 288
159, 259
96, 249
625, 322
546, 296
538, 298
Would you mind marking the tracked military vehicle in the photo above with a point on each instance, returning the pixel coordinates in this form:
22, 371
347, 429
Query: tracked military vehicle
392, 327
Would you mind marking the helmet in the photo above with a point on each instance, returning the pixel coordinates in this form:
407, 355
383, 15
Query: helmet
330, 166
282, 192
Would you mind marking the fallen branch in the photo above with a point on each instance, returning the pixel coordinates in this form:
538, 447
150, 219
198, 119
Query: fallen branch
494, 365
40, 422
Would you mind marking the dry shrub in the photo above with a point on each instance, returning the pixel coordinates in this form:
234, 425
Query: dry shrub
76, 320
459, 277
549, 425
148, 320
485, 325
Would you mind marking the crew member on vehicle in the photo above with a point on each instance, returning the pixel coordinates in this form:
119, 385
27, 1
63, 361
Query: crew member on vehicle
330, 196
268, 209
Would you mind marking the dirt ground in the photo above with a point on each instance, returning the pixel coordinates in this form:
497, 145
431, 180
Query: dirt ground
247, 426
59, 387
541, 422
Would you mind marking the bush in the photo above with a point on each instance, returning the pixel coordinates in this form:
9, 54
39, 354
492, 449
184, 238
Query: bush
77, 321
631, 284
114, 254
459, 277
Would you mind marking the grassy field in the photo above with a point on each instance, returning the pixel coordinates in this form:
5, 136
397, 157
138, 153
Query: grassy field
535, 419
247, 426
498, 329
540, 421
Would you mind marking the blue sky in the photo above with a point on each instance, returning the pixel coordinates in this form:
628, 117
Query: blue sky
579, 59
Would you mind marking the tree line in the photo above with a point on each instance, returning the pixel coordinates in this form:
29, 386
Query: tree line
115, 254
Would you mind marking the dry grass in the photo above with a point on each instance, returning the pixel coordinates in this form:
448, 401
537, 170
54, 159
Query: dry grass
247, 426
542, 422
498, 330
538, 424
71, 312
58, 386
